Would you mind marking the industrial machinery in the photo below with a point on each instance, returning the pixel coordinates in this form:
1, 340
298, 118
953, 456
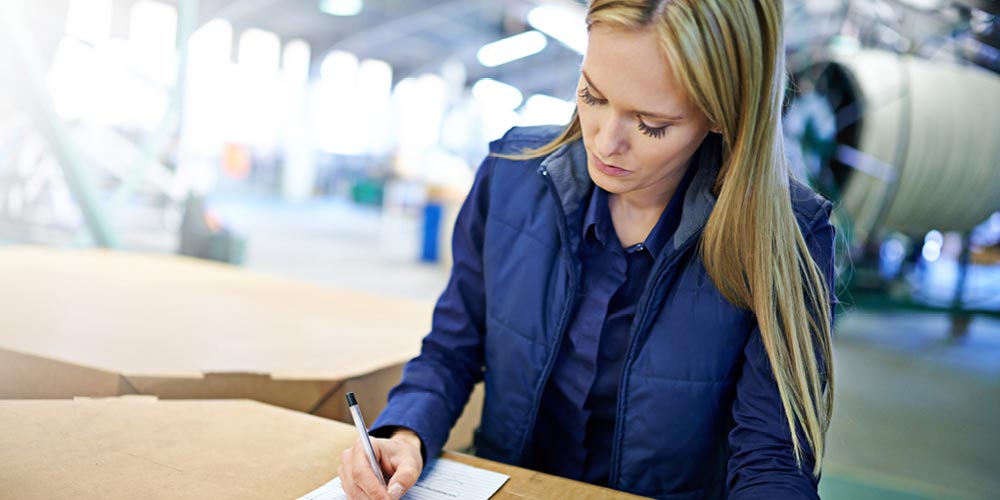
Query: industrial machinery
894, 114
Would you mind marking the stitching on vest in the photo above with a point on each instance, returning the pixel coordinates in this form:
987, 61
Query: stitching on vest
520, 231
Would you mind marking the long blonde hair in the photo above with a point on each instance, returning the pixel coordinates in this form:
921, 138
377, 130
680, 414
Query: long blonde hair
728, 55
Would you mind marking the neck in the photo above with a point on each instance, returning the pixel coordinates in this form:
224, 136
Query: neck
636, 213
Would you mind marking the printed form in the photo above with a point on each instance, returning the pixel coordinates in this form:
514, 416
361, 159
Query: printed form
444, 480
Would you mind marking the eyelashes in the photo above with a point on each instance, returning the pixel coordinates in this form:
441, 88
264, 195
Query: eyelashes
654, 132
590, 100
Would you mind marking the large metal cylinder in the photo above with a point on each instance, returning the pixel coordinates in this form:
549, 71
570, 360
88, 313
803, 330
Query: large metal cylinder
916, 145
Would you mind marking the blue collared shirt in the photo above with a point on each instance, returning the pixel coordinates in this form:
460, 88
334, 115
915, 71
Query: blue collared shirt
576, 422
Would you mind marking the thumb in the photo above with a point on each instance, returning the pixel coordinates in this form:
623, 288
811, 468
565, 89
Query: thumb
402, 480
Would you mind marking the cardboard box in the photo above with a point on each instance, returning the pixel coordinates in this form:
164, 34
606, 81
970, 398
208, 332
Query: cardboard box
26, 376
101, 323
143, 448
138, 447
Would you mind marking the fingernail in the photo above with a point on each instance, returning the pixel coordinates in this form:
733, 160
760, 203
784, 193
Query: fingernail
396, 491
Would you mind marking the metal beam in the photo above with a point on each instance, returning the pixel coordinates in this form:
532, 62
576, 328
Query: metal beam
154, 145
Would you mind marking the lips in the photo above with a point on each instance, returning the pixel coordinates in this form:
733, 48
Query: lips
611, 170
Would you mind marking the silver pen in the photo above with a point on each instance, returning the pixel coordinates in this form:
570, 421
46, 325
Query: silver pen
359, 422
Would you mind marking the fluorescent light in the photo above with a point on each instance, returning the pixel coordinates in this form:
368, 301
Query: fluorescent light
341, 7
420, 104
212, 44
295, 59
152, 35
511, 48
152, 27
259, 51
89, 20
339, 68
499, 94
541, 109
564, 23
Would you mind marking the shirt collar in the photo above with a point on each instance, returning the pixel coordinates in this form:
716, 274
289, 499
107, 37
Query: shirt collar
671, 216
597, 216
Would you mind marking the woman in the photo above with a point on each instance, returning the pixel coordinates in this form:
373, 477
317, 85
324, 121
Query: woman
645, 293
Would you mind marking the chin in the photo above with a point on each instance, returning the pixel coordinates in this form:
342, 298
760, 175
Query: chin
610, 184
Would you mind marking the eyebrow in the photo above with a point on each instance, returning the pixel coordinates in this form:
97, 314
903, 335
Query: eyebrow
643, 113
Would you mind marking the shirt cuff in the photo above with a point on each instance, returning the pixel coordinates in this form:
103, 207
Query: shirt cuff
423, 413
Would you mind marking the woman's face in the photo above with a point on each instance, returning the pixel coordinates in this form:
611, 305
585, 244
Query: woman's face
639, 129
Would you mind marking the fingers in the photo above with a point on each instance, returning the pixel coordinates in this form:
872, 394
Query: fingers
403, 479
362, 474
402, 458
398, 458
344, 471
347, 480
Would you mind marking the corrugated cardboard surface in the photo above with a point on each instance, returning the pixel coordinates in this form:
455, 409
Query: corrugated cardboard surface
129, 448
138, 447
100, 323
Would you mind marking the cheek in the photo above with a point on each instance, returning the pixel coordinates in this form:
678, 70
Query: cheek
658, 157
588, 122
667, 156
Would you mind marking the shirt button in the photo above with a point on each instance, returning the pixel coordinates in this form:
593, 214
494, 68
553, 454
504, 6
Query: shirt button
639, 247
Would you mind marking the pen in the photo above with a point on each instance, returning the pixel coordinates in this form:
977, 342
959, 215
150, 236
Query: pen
359, 422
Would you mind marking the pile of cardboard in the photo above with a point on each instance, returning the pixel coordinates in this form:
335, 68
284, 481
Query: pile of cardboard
98, 323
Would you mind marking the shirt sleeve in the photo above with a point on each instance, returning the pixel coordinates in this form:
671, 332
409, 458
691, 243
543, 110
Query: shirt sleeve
436, 384
762, 464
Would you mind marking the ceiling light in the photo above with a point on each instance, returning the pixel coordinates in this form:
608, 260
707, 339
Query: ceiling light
562, 22
511, 48
341, 7
494, 93
542, 109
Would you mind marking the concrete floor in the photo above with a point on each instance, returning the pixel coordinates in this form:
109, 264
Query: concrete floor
916, 414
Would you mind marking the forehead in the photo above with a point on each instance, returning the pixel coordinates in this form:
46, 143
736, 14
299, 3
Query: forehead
628, 67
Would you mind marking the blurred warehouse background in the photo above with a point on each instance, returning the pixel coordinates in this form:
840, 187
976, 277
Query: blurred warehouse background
333, 140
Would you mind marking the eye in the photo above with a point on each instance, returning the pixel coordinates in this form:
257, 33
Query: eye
589, 98
654, 132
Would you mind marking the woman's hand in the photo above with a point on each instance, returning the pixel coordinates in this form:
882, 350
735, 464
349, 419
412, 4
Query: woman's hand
401, 462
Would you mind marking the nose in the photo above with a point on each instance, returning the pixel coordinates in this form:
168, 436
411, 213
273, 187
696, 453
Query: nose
611, 139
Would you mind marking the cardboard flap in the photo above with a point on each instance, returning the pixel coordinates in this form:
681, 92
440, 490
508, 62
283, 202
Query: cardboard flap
24, 376
300, 395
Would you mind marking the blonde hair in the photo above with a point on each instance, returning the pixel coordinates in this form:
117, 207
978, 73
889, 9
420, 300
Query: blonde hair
728, 55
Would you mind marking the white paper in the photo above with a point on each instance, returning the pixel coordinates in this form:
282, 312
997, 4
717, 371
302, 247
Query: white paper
443, 480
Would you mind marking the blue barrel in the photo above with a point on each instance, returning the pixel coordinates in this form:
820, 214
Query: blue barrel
432, 228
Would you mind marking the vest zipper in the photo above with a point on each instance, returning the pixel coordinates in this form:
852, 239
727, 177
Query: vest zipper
563, 320
642, 317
